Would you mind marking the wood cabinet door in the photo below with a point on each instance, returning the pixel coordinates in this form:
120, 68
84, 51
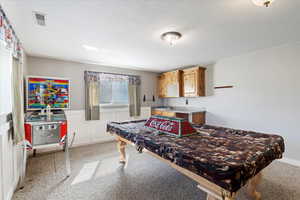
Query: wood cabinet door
163, 113
168, 114
156, 112
201, 82
170, 84
199, 118
160, 86
190, 80
194, 82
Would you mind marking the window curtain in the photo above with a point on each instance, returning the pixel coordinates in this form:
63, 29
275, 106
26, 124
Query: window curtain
92, 95
18, 103
134, 94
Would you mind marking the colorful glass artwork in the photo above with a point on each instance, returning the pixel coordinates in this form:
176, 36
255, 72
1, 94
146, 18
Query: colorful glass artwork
47, 91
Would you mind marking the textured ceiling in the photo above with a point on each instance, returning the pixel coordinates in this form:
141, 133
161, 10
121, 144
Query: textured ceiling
127, 32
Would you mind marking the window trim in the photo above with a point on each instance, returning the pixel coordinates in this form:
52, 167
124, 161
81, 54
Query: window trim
111, 105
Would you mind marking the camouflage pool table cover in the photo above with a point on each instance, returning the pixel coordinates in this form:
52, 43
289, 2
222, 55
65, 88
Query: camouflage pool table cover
224, 156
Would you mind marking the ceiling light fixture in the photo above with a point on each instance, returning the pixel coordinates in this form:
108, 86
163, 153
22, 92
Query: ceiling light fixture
90, 48
265, 3
171, 37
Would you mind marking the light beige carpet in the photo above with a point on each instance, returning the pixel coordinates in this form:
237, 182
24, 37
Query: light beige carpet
97, 175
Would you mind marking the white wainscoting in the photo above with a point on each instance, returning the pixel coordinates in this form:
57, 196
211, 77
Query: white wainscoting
89, 132
11, 162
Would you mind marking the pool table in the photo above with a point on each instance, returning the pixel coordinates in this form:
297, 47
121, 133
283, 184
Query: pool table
221, 160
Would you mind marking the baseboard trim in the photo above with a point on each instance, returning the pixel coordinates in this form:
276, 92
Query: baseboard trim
11, 192
56, 147
290, 161
94, 142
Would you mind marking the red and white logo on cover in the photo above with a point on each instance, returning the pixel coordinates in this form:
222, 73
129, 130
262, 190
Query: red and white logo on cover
166, 125
163, 125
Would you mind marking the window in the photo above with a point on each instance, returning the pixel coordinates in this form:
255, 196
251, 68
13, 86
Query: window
113, 89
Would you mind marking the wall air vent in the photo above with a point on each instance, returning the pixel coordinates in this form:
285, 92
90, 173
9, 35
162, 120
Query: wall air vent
40, 18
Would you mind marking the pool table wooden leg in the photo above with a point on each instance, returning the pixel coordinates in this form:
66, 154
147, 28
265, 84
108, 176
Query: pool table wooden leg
121, 148
211, 197
230, 198
252, 186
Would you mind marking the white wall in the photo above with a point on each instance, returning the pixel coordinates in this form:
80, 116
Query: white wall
87, 132
82, 132
265, 97
75, 71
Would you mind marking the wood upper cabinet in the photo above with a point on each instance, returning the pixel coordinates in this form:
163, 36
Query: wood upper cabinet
194, 82
160, 86
170, 84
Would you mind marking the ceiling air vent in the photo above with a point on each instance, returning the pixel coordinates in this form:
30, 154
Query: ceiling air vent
40, 18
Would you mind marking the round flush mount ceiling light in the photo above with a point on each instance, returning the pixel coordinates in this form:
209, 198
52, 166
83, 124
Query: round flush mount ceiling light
265, 3
171, 37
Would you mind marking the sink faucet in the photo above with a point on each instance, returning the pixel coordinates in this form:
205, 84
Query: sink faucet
186, 101
48, 112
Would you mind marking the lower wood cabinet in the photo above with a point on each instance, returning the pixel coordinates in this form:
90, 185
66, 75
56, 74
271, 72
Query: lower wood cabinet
168, 114
163, 113
196, 118
199, 118
156, 112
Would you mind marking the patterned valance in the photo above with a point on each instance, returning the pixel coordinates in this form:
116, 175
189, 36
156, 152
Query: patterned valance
113, 77
97, 76
8, 35
134, 80
91, 76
